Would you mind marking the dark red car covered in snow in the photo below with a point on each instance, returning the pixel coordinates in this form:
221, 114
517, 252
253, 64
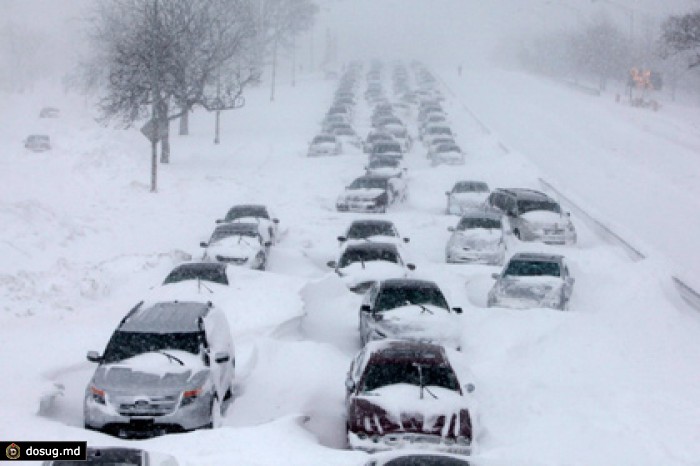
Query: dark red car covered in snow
406, 394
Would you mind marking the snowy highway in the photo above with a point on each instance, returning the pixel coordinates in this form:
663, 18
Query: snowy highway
614, 381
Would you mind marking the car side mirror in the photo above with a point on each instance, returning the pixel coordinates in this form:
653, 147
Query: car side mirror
275, 220
469, 388
94, 356
332, 264
220, 220
495, 276
457, 310
222, 357
410, 266
268, 244
203, 244
349, 385
407, 240
451, 229
342, 239
365, 308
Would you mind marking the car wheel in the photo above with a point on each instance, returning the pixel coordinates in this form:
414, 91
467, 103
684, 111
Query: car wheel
262, 261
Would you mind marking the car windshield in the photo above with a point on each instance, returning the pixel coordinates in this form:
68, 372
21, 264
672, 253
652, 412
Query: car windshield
344, 132
426, 460
379, 162
221, 233
386, 148
323, 139
365, 230
468, 223
448, 148
37, 138
391, 373
210, 274
529, 205
369, 183
470, 187
125, 345
246, 212
394, 297
351, 256
439, 130
520, 268
379, 137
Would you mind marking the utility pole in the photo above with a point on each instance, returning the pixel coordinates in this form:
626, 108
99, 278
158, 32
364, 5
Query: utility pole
294, 59
218, 110
274, 68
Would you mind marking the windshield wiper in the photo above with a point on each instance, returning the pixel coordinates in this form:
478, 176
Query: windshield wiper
201, 285
422, 383
423, 307
170, 357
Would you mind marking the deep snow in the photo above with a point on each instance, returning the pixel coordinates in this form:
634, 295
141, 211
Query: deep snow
614, 381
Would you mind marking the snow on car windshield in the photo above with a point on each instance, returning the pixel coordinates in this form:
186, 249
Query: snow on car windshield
392, 373
392, 298
367, 255
533, 269
125, 345
478, 222
379, 162
369, 183
386, 148
221, 233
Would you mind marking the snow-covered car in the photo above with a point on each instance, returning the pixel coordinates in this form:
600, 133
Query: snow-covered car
324, 144
400, 134
388, 122
416, 457
437, 141
405, 394
362, 264
168, 367
347, 136
375, 136
534, 216
478, 237
268, 224
37, 143
434, 131
531, 280
212, 272
372, 230
238, 244
118, 456
384, 165
432, 119
49, 112
447, 154
372, 193
466, 195
330, 120
386, 149
409, 309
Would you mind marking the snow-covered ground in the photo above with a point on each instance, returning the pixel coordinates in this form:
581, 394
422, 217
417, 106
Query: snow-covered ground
613, 381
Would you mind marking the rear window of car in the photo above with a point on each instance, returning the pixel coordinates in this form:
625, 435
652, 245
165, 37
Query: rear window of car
528, 205
352, 256
382, 374
394, 297
519, 268
210, 274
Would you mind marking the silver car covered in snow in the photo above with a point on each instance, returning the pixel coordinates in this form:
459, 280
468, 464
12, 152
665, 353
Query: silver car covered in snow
167, 368
478, 237
324, 144
466, 195
531, 280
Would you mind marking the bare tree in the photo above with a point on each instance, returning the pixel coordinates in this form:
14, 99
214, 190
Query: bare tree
681, 35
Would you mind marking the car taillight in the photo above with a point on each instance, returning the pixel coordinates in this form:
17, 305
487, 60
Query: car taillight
98, 396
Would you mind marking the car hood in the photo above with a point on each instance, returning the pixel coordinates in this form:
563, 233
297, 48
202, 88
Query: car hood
468, 199
529, 288
385, 171
362, 194
234, 246
411, 322
452, 154
479, 237
355, 273
152, 373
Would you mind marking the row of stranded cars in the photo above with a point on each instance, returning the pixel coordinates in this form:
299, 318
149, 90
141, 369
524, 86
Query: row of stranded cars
169, 366
401, 389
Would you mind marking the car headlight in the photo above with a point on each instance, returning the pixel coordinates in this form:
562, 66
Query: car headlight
97, 395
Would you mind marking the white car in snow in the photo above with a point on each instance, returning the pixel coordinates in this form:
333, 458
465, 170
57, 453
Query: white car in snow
237, 244
447, 154
532, 280
466, 195
435, 131
360, 265
478, 237
268, 224
324, 144
371, 230
409, 309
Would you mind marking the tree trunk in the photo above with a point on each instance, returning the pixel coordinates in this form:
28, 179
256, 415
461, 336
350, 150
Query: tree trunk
217, 127
165, 128
185, 123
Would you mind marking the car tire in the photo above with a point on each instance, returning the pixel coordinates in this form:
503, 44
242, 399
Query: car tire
263, 262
